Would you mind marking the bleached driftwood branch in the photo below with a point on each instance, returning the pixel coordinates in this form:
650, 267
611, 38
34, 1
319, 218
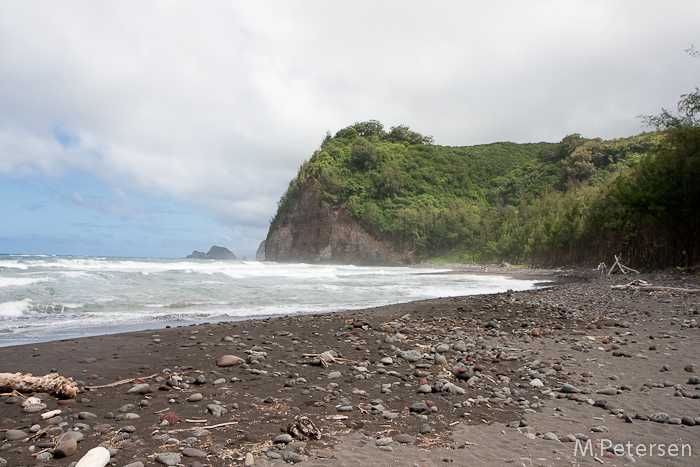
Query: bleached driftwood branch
624, 269
51, 383
643, 286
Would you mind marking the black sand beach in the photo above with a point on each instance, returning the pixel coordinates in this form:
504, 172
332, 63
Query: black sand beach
522, 378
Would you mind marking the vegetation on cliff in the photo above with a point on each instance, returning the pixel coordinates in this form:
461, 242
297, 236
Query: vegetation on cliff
578, 201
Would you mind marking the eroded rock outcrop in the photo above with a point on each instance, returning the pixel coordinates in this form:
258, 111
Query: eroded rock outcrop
312, 233
215, 252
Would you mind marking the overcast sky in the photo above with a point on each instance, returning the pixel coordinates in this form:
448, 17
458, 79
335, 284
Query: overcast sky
153, 128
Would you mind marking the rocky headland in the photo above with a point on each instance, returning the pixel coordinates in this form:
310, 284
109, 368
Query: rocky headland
313, 233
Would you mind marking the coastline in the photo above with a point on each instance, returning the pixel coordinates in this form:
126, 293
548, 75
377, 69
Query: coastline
465, 394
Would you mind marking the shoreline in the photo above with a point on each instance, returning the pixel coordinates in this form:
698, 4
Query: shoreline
418, 383
454, 269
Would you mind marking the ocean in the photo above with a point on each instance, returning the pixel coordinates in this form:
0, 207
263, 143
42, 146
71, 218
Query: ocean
45, 298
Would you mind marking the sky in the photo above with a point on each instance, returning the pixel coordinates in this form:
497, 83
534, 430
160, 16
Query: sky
155, 128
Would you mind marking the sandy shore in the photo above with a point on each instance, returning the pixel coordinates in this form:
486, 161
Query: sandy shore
522, 378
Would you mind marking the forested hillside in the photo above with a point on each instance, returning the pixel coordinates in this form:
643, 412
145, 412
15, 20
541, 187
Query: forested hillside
576, 202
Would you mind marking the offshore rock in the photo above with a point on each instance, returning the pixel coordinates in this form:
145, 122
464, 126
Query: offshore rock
310, 232
215, 252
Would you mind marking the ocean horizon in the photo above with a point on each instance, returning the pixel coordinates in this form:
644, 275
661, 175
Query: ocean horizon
45, 298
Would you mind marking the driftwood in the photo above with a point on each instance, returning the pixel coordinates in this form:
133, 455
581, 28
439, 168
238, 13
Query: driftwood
51, 383
120, 382
644, 286
303, 428
621, 266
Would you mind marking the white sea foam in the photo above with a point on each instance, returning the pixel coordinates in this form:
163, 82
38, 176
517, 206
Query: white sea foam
88, 295
20, 281
14, 309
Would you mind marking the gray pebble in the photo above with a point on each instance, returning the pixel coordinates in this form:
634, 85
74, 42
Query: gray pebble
168, 458
291, 457
33, 408
285, 438
384, 441
191, 452
660, 417
14, 435
569, 389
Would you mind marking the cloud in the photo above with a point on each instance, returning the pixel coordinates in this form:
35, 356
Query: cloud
216, 104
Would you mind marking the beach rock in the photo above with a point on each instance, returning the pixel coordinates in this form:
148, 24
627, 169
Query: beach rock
249, 460
425, 389
126, 408
442, 348
688, 421
33, 408
404, 439
424, 429
285, 438
216, 410
536, 383
334, 375
660, 417
171, 417
95, 457
168, 458
65, 448
460, 346
569, 389
453, 389
76, 435
229, 360
196, 397
607, 391
191, 452
291, 457
386, 441
14, 435
419, 407
411, 356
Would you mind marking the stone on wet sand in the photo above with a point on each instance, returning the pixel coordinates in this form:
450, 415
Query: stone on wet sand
14, 435
95, 457
168, 458
192, 452
229, 360
65, 448
569, 389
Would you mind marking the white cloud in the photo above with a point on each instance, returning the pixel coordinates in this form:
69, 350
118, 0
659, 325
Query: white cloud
218, 103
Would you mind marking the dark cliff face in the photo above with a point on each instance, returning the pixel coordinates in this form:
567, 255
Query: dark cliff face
312, 233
